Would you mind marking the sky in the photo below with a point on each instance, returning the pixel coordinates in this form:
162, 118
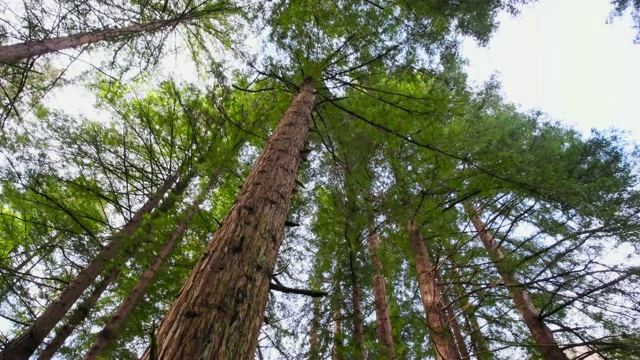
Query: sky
561, 56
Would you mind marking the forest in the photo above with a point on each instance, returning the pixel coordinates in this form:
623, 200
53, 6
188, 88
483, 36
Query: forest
321, 181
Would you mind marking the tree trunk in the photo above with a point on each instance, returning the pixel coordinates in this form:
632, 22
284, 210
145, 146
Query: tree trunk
455, 326
16, 52
314, 337
110, 330
220, 309
383, 320
439, 331
337, 316
78, 316
22, 347
478, 341
539, 330
358, 318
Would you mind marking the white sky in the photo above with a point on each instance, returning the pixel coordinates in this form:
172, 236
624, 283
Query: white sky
561, 57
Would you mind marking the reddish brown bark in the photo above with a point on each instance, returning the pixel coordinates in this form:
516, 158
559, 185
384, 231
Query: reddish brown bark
439, 331
539, 330
22, 347
16, 52
220, 309
455, 327
110, 330
383, 320
358, 318
78, 316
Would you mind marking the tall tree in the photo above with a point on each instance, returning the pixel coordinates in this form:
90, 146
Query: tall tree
223, 321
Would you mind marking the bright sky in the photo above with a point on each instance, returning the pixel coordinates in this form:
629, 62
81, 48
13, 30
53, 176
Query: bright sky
561, 57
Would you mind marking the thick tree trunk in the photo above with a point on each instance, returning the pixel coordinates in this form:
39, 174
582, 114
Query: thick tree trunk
220, 309
110, 330
439, 330
383, 320
539, 330
78, 316
16, 52
22, 347
358, 318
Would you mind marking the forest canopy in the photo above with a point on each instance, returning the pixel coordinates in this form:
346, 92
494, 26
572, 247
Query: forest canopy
324, 183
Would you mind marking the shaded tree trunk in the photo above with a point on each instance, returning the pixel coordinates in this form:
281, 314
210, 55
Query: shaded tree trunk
314, 337
23, 346
383, 320
455, 327
110, 330
439, 331
16, 52
478, 341
78, 316
539, 330
358, 318
220, 309
337, 316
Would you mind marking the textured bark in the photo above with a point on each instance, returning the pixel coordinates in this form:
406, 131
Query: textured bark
110, 330
78, 316
455, 327
539, 330
22, 347
383, 320
358, 318
16, 52
314, 337
439, 331
220, 309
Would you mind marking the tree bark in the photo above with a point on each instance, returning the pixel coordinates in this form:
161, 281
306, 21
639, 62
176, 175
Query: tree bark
220, 309
439, 331
478, 342
539, 330
337, 316
110, 330
314, 337
22, 347
455, 327
78, 316
383, 320
358, 318
16, 52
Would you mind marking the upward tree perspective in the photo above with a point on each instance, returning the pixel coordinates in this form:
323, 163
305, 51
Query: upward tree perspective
325, 184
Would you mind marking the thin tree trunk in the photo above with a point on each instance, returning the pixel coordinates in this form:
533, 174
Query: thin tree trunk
439, 331
314, 337
16, 52
539, 330
478, 341
78, 316
337, 316
455, 326
383, 320
358, 318
110, 330
22, 347
220, 309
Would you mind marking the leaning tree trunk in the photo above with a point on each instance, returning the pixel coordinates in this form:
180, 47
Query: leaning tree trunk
16, 52
22, 347
110, 330
383, 320
358, 318
539, 330
439, 330
78, 316
220, 309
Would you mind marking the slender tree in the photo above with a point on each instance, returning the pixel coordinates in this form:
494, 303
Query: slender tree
383, 320
539, 330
